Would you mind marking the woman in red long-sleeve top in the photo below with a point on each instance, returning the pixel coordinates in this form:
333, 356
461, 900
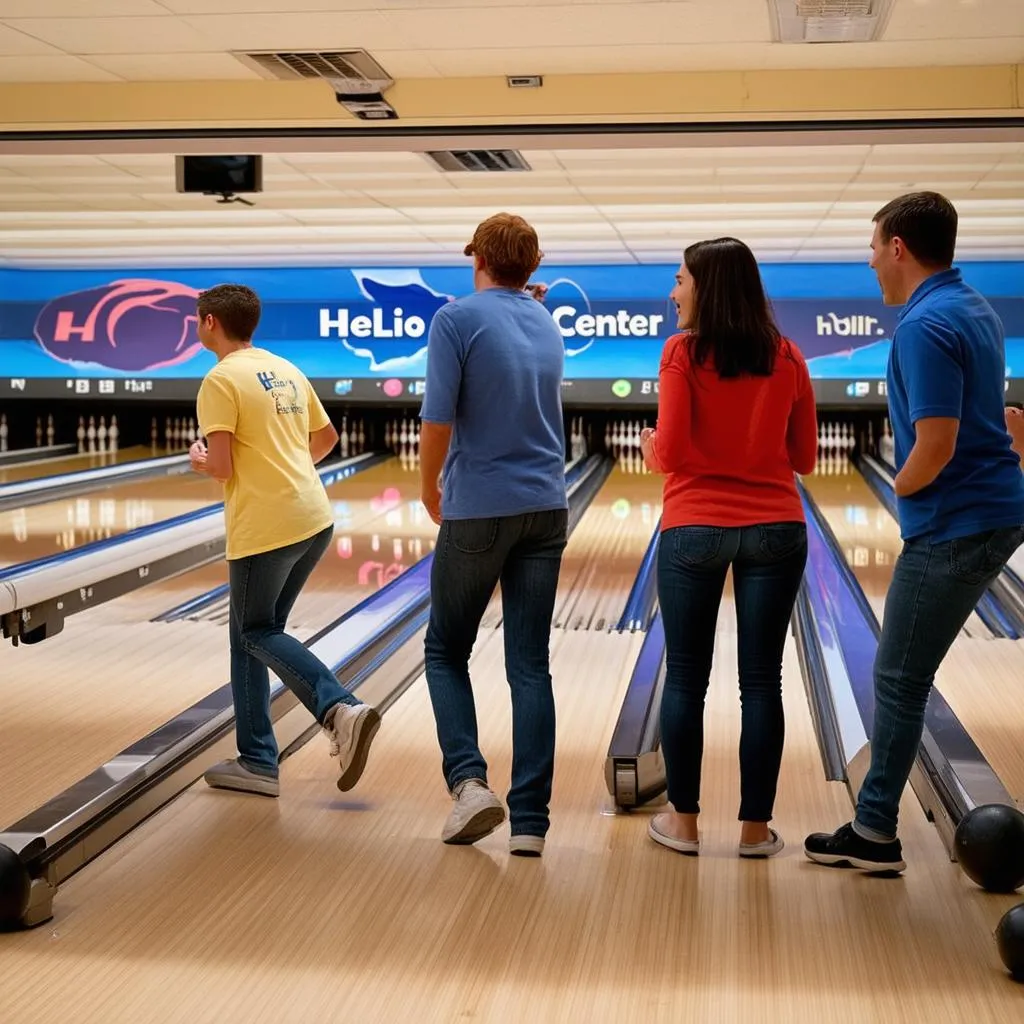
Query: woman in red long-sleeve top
736, 421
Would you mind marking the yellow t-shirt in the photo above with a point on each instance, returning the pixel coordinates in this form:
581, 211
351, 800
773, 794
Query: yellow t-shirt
275, 496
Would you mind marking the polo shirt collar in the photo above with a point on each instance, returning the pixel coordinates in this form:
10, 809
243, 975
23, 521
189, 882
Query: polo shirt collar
929, 285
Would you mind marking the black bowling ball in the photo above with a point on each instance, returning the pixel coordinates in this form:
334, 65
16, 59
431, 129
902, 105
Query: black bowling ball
14, 888
990, 847
1010, 941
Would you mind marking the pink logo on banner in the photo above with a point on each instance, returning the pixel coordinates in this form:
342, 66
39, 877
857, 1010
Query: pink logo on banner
133, 325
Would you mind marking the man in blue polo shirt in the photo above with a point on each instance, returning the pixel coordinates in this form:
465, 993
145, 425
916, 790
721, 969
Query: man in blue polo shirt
492, 421
960, 494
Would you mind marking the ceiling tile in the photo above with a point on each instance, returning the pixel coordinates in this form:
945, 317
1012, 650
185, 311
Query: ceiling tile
115, 35
170, 67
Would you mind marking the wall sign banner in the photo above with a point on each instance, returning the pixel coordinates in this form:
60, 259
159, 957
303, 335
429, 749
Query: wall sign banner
362, 334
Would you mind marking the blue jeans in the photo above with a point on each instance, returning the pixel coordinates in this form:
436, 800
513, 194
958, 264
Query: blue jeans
767, 564
524, 552
933, 591
264, 588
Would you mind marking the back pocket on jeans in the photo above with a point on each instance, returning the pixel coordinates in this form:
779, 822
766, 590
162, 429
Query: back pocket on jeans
472, 536
781, 540
694, 545
979, 558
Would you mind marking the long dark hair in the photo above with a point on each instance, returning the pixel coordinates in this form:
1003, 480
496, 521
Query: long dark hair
732, 324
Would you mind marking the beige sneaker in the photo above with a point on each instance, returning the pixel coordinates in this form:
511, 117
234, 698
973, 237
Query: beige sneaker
477, 813
234, 775
351, 732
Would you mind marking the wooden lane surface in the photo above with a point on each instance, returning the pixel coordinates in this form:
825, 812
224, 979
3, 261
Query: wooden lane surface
67, 523
322, 906
79, 461
112, 676
603, 554
982, 679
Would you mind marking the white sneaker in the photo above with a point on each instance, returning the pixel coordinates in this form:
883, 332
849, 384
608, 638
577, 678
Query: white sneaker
771, 846
477, 813
351, 732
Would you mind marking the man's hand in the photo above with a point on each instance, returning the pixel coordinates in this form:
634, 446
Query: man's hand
538, 291
431, 498
1015, 426
197, 456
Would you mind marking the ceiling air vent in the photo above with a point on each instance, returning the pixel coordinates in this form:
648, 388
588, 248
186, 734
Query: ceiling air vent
359, 82
479, 160
828, 21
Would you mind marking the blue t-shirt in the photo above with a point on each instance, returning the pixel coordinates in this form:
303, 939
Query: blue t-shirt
494, 372
948, 360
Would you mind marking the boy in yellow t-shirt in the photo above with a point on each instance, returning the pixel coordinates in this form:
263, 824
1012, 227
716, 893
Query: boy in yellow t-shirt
266, 430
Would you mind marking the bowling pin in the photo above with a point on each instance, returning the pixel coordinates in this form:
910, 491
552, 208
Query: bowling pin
114, 434
39, 432
80, 434
3, 432
101, 434
91, 434
49, 431
154, 433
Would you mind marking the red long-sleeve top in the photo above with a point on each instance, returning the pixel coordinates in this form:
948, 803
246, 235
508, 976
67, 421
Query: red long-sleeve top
730, 448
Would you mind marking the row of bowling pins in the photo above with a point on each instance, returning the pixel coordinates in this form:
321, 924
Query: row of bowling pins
100, 438
5, 432
836, 437
351, 437
403, 437
178, 432
623, 434
577, 441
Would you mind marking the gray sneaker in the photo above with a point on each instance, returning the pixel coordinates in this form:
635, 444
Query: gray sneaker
233, 775
477, 813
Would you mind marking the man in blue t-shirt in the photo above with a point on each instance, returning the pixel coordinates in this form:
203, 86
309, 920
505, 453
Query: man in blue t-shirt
492, 432
960, 493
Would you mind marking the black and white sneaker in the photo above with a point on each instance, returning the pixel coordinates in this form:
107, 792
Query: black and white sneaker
844, 848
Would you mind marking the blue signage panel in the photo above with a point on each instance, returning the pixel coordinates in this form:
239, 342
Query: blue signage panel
362, 334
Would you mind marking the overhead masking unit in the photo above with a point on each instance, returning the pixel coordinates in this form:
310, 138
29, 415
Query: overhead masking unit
359, 82
828, 21
493, 160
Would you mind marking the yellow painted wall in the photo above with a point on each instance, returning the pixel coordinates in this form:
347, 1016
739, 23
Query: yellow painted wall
626, 98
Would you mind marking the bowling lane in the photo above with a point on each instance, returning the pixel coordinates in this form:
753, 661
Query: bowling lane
982, 678
84, 460
604, 553
112, 676
498, 937
67, 523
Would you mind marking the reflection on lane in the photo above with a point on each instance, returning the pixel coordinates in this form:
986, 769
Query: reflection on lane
75, 463
868, 535
41, 530
380, 530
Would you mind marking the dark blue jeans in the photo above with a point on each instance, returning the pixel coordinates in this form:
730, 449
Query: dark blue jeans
767, 564
933, 591
264, 588
524, 552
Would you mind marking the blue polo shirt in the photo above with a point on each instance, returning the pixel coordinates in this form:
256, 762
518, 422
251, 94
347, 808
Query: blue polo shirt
948, 360
494, 372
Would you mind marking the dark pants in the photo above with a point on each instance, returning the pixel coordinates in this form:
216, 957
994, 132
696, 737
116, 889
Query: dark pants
933, 591
524, 552
264, 588
768, 563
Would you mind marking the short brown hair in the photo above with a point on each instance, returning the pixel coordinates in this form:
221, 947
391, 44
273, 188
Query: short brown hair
236, 308
926, 222
509, 248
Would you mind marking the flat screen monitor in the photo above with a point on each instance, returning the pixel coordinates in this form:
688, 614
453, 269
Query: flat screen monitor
219, 174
